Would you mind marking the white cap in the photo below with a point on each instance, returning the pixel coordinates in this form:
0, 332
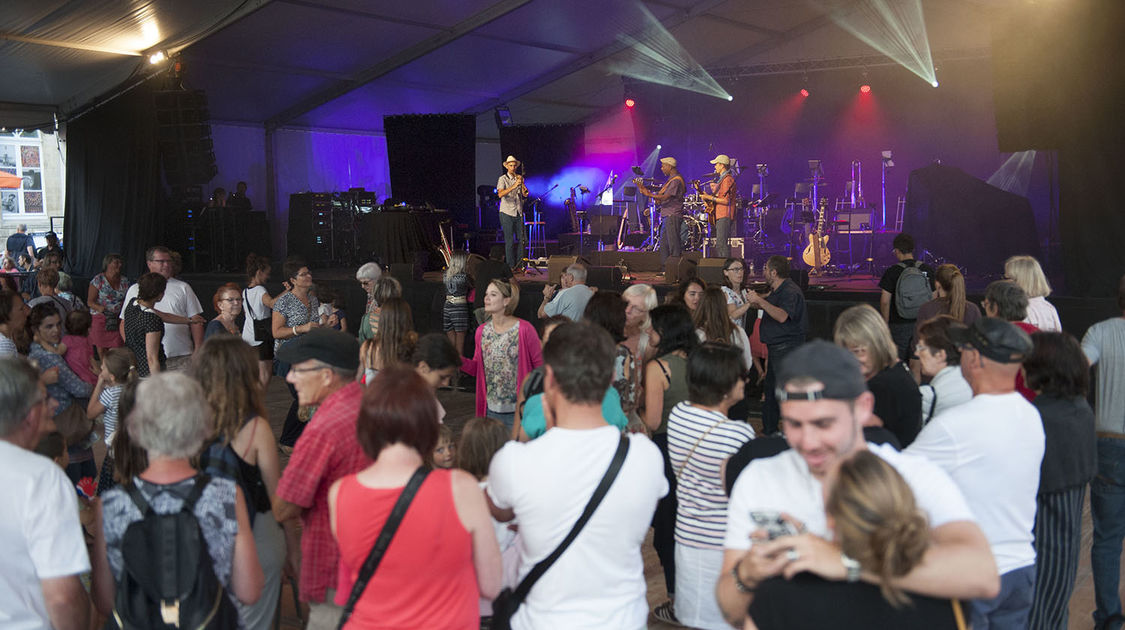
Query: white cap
511, 158
670, 161
721, 159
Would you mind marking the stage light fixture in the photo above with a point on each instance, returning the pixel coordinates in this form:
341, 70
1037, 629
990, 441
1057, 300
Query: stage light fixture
805, 92
658, 147
729, 97
157, 57
935, 83
896, 28
866, 89
630, 103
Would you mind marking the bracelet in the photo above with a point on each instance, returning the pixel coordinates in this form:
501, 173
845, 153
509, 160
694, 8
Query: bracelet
742, 588
294, 328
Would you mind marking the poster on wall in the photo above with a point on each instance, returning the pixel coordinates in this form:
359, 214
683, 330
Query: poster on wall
29, 157
8, 157
32, 202
32, 180
9, 201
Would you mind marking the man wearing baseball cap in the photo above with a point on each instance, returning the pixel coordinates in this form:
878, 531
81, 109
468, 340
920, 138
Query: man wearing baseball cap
723, 191
992, 446
324, 367
670, 202
824, 405
512, 192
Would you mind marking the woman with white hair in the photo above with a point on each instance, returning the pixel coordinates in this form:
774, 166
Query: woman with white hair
1028, 275
170, 421
367, 274
639, 300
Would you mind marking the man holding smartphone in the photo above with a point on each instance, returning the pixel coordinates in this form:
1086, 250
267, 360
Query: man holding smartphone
824, 404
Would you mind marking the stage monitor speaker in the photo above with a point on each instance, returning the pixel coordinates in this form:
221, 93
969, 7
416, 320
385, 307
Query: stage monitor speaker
406, 272
604, 278
677, 269
801, 277
710, 270
605, 225
556, 265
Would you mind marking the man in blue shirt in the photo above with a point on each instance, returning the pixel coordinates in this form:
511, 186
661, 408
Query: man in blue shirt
783, 328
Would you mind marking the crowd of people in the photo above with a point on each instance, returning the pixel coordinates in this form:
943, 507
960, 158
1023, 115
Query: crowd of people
926, 468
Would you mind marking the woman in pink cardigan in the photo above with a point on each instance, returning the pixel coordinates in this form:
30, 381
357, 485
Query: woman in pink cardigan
507, 348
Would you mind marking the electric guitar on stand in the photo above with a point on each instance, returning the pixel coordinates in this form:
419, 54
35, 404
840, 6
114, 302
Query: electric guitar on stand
816, 255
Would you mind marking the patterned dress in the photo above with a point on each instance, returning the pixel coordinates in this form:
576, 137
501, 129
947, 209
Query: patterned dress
501, 356
455, 313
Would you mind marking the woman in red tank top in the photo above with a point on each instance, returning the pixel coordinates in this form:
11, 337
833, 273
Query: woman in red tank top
444, 555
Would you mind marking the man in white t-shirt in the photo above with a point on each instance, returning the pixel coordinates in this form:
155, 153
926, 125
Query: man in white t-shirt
179, 308
824, 404
992, 447
598, 581
42, 551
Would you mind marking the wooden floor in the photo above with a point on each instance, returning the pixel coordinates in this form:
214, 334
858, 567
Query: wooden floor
459, 407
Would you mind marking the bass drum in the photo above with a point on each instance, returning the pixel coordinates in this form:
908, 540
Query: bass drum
692, 233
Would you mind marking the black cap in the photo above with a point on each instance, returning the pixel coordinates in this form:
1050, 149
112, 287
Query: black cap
338, 349
826, 363
994, 338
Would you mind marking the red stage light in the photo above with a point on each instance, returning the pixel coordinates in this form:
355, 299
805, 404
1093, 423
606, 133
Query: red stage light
804, 92
630, 103
866, 89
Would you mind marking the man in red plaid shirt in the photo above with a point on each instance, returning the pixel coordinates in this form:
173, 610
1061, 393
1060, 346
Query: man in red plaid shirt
324, 365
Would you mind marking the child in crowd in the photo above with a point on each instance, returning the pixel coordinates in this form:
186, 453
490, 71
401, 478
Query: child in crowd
118, 369
332, 309
79, 352
444, 451
53, 447
9, 265
455, 313
480, 440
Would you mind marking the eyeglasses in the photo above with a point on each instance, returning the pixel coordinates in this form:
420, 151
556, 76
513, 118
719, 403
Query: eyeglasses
309, 369
239, 300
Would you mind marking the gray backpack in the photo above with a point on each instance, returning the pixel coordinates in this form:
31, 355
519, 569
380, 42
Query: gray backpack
911, 291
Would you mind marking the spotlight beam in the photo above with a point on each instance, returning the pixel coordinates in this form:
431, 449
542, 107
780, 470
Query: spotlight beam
657, 57
1014, 175
896, 28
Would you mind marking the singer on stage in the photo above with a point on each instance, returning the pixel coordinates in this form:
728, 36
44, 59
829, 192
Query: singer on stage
670, 202
723, 192
512, 193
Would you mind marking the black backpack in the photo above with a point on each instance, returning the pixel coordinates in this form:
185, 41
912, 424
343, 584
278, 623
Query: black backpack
168, 581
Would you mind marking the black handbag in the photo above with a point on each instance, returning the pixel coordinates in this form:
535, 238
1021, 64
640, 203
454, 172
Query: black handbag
506, 604
383, 540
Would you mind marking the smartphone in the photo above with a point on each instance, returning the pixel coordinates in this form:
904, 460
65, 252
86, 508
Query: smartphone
773, 524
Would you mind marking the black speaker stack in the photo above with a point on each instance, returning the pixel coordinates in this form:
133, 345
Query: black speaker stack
184, 137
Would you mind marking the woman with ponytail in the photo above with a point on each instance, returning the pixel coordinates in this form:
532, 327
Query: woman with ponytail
878, 524
950, 300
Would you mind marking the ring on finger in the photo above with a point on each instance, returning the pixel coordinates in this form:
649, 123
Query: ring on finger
793, 555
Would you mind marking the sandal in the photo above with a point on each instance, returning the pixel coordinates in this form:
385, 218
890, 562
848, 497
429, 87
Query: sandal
666, 612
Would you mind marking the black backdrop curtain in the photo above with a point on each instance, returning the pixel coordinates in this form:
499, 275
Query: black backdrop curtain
1058, 80
113, 188
432, 159
545, 151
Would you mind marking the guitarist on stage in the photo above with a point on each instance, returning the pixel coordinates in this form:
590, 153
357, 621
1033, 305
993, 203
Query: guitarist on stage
722, 196
670, 202
512, 192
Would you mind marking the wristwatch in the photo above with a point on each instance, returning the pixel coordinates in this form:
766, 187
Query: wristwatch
852, 566
738, 583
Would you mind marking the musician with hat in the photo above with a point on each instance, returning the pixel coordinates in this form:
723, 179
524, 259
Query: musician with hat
670, 202
722, 195
512, 192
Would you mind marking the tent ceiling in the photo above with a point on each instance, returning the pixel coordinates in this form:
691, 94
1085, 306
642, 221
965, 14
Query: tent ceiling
344, 64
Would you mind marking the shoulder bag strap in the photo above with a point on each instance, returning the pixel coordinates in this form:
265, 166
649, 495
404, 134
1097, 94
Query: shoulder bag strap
383, 540
695, 446
933, 404
607, 480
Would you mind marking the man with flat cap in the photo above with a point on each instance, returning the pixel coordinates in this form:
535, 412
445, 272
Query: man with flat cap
992, 446
670, 203
324, 367
722, 195
824, 405
512, 192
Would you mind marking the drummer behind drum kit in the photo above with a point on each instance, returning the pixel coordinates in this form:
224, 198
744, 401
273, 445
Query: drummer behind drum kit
803, 220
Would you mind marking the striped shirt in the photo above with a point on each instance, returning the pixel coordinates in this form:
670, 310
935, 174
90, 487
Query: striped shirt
701, 514
108, 398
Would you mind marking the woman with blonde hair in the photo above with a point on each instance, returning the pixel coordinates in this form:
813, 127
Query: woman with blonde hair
455, 311
898, 403
877, 523
499, 339
1028, 275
